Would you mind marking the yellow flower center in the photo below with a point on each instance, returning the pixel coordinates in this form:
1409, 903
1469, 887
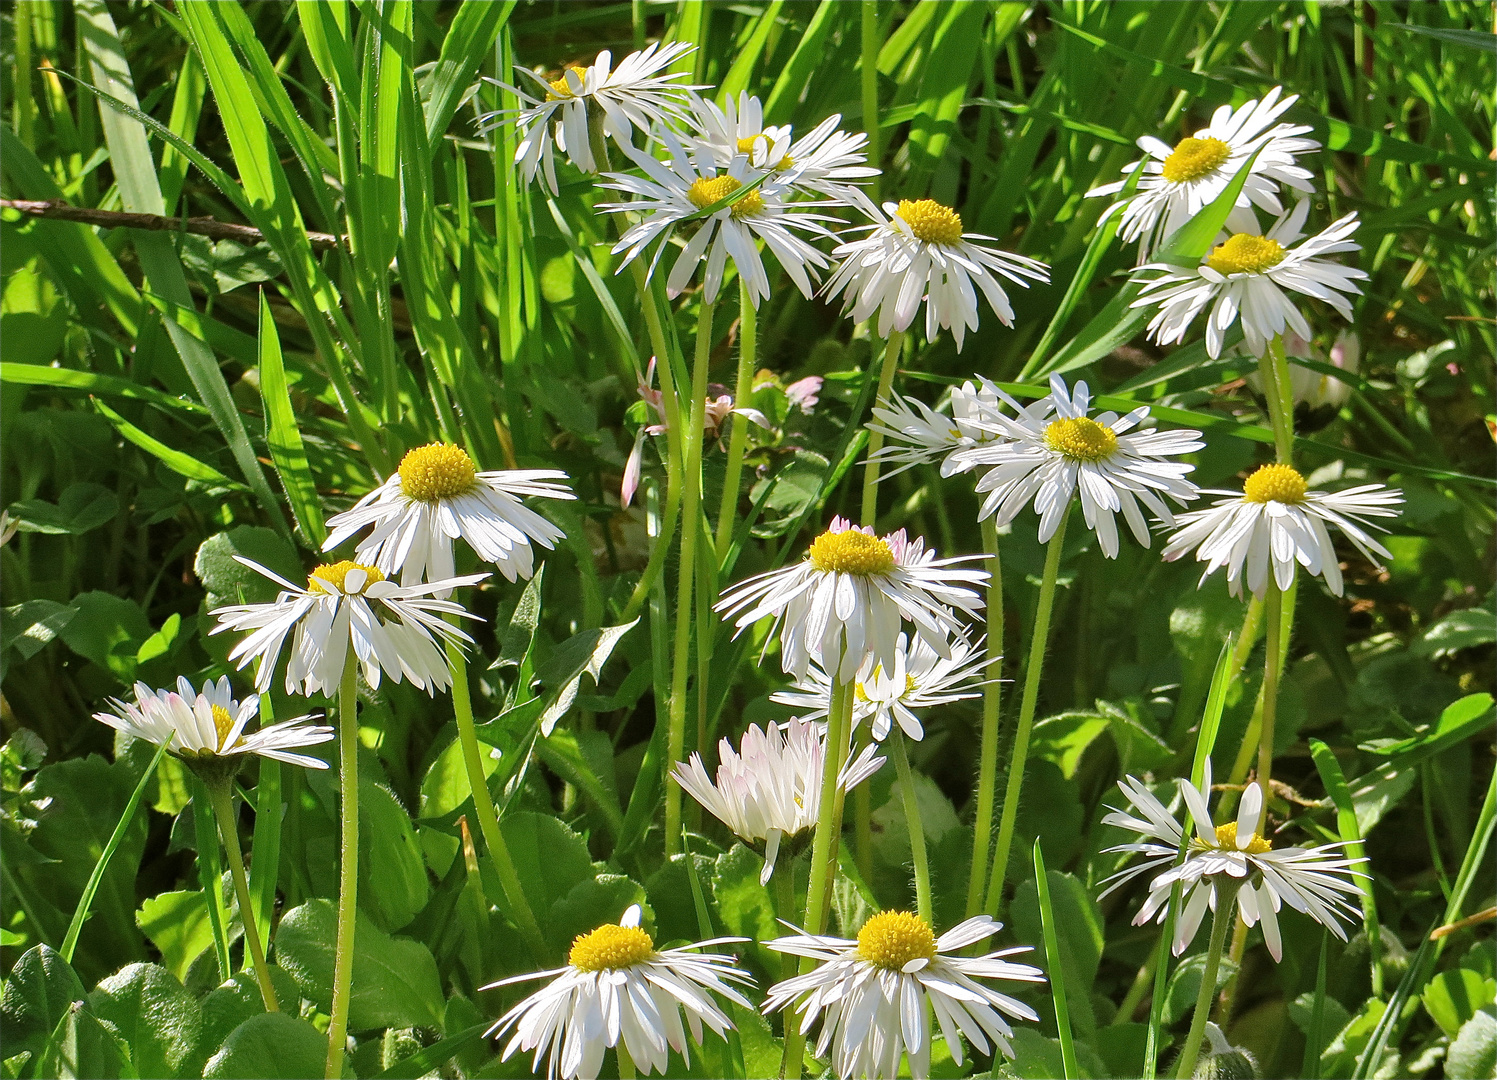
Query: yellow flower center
328, 578
1226, 837
891, 939
435, 472
559, 88
851, 552
746, 146
223, 721
704, 193
1244, 254
1275, 483
1194, 158
930, 221
610, 947
1081, 439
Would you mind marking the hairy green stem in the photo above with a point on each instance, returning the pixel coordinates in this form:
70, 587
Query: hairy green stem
987, 769
1032, 670
348, 868
691, 509
1221, 921
1273, 607
785, 909
221, 794
876, 438
626, 1063
919, 863
748, 336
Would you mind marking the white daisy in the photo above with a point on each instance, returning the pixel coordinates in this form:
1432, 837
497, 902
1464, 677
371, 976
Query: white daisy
633, 95
878, 991
1312, 880
1247, 275
920, 679
391, 628
686, 184
1179, 181
919, 252
1277, 519
617, 988
210, 723
847, 599
771, 787
438, 495
825, 161
1052, 460
924, 434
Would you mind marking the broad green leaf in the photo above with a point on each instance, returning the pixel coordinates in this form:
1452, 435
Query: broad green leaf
109, 630
178, 925
1473, 1054
1185, 984
236, 1000
1453, 997
580, 654
444, 788
38, 993
550, 858
744, 906
392, 872
1063, 739
228, 581
30, 627
154, 1015
271, 1045
585, 759
589, 905
1079, 932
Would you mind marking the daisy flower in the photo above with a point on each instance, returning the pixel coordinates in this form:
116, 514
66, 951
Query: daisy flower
209, 723
771, 787
1179, 181
919, 252
925, 434
877, 993
825, 161
1050, 460
920, 679
847, 599
1277, 520
633, 95
686, 184
438, 495
1315, 881
618, 990
395, 629
1247, 276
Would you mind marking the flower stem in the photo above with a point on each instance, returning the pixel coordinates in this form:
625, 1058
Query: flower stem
348, 870
987, 769
626, 1063
1221, 922
876, 438
1273, 371
823, 846
1032, 671
691, 509
916, 827
785, 909
483, 806
1273, 608
748, 335
221, 794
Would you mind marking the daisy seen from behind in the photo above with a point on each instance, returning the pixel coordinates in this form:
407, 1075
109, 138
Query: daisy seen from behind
208, 723
924, 434
849, 597
1235, 857
634, 95
921, 678
1051, 451
392, 629
874, 994
437, 496
617, 991
1248, 278
1179, 181
1277, 523
770, 788
915, 251
687, 183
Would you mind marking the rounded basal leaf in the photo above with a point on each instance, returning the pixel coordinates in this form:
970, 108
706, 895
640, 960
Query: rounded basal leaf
1473, 1054
155, 1017
273, 1046
231, 582
38, 992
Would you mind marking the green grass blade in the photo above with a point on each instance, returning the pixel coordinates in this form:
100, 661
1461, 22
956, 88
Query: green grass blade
210, 874
177, 461
1055, 967
86, 901
265, 866
1346, 825
469, 39
283, 436
798, 69
943, 94
86, 382
187, 109
737, 78
1211, 719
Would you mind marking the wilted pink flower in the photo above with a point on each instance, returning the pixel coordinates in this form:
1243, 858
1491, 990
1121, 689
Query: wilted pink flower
804, 393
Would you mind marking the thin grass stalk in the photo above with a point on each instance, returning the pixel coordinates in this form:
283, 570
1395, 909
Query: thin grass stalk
221, 793
1055, 966
876, 438
748, 335
691, 509
869, 86
920, 864
1020, 753
987, 769
348, 867
1221, 922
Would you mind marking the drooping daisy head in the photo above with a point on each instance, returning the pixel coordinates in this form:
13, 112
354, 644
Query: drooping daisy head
1235, 856
920, 434
1179, 181
874, 995
394, 629
634, 95
1248, 278
1277, 523
921, 678
770, 788
916, 251
438, 495
617, 988
848, 598
688, 183
1051, 451
207, 726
